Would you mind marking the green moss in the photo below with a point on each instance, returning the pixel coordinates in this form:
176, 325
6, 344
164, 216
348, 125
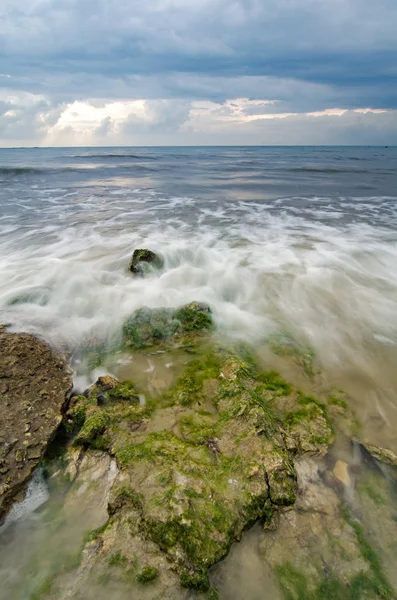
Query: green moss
197, 429
77, 413
147, 575
197, 580
125, 496
273, 382
189, 388
293, 582
378, 582
337, 401
124, 391
263, 403
194, 318
149, 326
166, 535
295, 586
164, 445
309, 409
117, 559
90, 434
94, 534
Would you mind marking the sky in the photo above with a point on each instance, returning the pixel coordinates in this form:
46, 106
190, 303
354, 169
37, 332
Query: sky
198, 72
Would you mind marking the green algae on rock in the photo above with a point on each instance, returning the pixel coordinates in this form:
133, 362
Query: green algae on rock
320, 550
142, 257
150, 326
205, 461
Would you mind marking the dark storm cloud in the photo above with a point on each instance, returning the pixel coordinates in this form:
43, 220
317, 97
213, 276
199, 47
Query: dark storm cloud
67, 48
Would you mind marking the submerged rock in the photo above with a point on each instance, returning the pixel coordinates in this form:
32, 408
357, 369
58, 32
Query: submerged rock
341, 472
321, 550
382, 455
142, 257
196, 466
34, 384
150, 326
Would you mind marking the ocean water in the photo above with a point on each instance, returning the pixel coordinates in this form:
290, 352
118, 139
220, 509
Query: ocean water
279, 239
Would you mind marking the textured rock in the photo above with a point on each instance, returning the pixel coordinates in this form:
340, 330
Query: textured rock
341, 472
34, 383
142, 257
383, 455
150, 326
320, 550
198, 466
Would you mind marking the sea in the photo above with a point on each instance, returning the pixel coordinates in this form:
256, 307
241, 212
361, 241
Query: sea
295, 239
298, 242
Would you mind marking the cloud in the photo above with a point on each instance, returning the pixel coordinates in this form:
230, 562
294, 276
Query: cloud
291, 56
237, 121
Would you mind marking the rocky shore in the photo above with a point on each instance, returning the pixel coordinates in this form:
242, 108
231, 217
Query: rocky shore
175, 478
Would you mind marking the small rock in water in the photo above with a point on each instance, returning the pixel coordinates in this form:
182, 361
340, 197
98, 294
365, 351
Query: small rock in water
382, 455
142, 256
341, 472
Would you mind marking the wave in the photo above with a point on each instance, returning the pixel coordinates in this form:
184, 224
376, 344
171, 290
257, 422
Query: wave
334, 170
20, 170
112, 156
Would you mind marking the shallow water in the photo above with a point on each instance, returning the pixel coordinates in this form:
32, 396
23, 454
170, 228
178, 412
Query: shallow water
293, 242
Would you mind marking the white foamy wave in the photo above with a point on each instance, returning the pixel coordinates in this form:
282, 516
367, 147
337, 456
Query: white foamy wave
36, 495
261, 267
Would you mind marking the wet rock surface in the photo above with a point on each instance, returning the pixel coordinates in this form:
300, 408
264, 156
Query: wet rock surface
141, 258
34, 383
197, 466
151, 326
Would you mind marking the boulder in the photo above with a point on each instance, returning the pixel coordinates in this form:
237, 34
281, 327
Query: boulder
34, 387
197, 467
150, 326
142, 257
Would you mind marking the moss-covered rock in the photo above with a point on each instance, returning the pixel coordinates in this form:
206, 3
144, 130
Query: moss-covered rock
141, 258
208, 459
147, 575
150, 326
194, 317
90, 413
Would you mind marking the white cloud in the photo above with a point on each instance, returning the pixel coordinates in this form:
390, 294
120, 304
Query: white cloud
152, 122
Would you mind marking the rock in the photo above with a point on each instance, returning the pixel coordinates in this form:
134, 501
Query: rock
190, 479
142, 257
151, 326
318, 549
341, 472
84, 414
381, 454
35, 383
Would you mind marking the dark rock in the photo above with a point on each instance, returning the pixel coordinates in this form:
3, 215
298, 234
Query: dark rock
142, 257
35, 382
